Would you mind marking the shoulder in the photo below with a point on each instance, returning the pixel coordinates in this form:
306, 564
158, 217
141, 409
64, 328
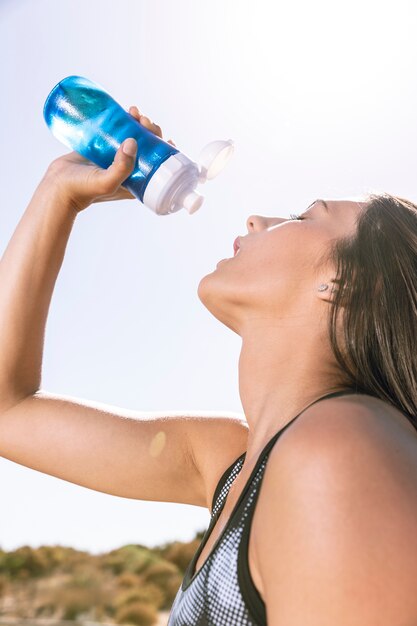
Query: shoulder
336, 510
359, 423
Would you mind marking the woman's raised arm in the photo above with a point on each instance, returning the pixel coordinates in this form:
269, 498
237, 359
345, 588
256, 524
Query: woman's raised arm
175, 457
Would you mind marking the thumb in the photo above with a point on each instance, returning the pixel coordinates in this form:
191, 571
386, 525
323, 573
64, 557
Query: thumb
123, 164
129, 147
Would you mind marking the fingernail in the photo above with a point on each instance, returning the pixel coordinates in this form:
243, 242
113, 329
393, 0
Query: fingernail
135, 110
129, 147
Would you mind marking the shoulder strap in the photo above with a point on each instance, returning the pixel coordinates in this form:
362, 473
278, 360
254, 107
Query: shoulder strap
248, 590
226, 474
276, 436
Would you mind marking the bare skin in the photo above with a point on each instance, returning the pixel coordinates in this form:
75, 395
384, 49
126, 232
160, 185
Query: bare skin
282, 323
123, 452
392, 448
268, 295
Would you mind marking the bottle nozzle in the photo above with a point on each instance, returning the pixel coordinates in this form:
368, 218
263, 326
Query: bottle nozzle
192, 201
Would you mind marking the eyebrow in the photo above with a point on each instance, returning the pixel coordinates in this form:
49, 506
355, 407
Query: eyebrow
323, 202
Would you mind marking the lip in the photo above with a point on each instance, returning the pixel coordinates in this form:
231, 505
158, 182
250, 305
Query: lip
236, 245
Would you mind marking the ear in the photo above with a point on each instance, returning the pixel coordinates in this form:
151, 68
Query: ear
326, 294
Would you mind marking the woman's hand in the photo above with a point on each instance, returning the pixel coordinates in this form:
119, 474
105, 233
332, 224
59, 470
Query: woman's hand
82, 182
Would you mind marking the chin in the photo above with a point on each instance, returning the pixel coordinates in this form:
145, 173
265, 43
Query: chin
205, 288
215, 295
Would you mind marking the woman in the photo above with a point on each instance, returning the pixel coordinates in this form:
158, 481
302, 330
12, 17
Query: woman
318, 530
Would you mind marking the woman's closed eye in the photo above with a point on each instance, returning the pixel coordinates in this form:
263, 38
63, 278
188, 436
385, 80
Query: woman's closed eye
296, 217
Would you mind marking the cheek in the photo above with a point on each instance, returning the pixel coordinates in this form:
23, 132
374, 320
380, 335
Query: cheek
259, 276
276, 269
272, 260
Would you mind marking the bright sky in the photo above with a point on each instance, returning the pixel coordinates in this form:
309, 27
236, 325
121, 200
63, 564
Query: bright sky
320, 99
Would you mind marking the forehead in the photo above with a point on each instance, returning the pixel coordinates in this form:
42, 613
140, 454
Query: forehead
347, 205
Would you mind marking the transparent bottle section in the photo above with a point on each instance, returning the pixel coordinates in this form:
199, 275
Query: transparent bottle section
85, 118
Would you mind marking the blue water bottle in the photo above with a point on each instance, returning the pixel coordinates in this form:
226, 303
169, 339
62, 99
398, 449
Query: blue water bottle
84, 117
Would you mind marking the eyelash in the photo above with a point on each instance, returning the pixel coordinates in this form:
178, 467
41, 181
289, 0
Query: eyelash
296, 217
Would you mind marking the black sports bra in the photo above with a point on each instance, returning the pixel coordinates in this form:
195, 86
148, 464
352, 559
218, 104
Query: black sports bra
222, 592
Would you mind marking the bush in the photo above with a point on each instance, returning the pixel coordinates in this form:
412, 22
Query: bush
3, 584
47, 609
84, 579
75, 597
160, 572
130, 558
167, 577
138, 613
74, 602
128, 580
181, 553
25, 562
148, 593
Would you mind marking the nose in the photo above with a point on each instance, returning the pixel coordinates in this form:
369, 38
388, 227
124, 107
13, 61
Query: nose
255, 223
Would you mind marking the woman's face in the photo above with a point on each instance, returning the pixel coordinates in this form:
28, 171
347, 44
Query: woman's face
274, 274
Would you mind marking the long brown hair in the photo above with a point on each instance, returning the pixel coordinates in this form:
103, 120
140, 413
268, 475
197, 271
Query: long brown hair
376, 297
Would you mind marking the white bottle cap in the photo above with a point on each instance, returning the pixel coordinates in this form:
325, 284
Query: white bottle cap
213, 158
172, 187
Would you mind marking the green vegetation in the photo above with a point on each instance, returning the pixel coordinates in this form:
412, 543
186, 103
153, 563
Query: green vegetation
129, 585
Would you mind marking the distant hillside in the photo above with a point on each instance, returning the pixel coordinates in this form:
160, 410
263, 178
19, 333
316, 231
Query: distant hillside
130, 585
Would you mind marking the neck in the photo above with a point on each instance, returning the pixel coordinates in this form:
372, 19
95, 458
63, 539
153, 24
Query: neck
281, 371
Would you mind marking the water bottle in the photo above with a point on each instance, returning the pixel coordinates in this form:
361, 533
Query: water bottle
84, 117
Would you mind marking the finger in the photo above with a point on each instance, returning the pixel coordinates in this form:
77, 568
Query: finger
172, 143
111, 178
134, 112
145, 121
